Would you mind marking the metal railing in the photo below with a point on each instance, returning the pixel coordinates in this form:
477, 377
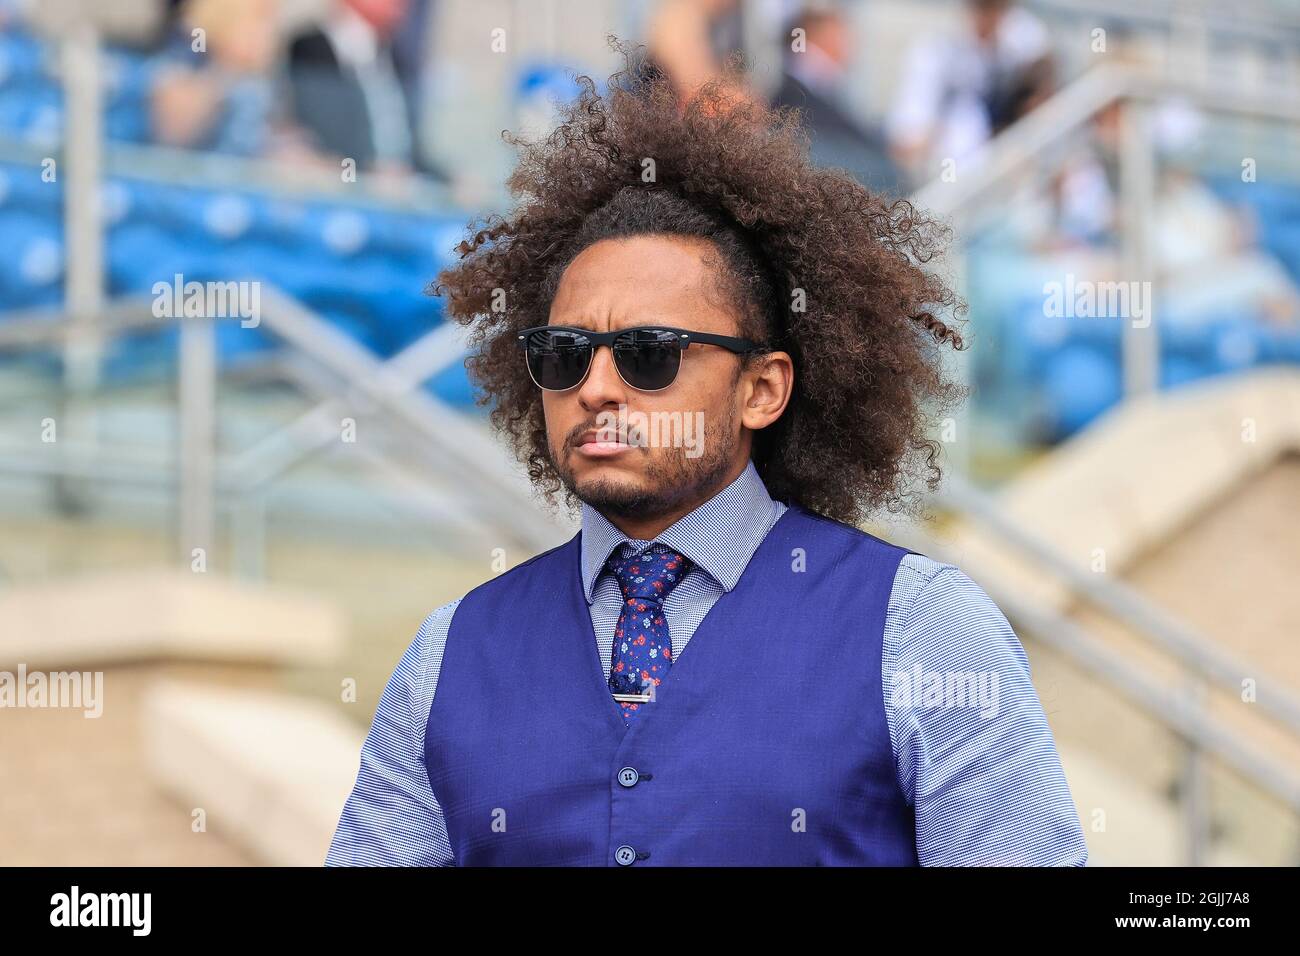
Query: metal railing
1021, 149
459, 449
443, 439
1183, 711
454, 447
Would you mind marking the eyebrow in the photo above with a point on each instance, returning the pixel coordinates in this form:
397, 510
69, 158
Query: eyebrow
586, 327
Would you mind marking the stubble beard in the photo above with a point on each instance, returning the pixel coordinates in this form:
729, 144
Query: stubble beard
669, 480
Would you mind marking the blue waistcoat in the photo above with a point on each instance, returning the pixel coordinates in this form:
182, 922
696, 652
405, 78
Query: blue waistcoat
766, 744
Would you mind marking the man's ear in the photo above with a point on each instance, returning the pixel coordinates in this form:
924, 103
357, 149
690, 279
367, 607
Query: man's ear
768, 385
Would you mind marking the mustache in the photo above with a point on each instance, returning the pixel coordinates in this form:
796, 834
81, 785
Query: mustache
607, 432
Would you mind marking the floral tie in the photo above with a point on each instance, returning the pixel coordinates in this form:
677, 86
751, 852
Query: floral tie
643, 651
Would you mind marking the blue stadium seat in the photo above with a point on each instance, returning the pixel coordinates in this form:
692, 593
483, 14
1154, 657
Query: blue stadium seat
1079, 383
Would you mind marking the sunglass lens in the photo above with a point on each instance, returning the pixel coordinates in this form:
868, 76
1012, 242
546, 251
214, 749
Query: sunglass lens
648, 358
558, 360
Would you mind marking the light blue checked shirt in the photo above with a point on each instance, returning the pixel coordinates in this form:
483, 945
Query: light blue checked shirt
983, 775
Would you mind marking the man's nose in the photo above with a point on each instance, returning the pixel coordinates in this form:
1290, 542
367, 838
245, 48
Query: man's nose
602, 386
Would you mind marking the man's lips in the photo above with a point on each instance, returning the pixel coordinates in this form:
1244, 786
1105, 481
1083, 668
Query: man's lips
599, 445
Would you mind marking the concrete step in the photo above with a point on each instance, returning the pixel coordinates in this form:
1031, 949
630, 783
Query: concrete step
270, 772
119, 616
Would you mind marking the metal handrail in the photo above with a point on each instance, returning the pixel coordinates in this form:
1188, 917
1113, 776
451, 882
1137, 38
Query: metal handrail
1007, 156
1173, 709
1191, 649
1250, 20
1183, 713
466, 449
407, 370
473, 461
1002, 164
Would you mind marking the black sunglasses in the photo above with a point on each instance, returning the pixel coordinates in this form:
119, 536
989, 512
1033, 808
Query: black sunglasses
647, 356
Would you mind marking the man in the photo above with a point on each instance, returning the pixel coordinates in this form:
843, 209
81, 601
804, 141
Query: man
719, 669
959, 89
816, 72
353, 84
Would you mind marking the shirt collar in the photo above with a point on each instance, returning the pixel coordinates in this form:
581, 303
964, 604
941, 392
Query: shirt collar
719, 536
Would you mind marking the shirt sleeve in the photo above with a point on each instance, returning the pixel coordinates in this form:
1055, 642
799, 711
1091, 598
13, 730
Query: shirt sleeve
391, 817
974, 752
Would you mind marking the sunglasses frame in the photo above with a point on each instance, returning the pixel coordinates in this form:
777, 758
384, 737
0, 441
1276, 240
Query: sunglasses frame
685, 339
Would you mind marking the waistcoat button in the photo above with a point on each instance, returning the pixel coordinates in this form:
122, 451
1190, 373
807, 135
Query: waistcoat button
628, 776
625, 855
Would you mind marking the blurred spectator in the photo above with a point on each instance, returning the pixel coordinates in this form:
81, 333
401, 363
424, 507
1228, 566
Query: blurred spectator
959, 90
214, 90
814, 75
690, 41
1210, 263
351, 89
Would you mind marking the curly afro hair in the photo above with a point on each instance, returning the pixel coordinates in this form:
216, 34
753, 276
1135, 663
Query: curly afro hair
815, 264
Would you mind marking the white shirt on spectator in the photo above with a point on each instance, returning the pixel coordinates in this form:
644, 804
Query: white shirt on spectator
357, 46
944, 80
